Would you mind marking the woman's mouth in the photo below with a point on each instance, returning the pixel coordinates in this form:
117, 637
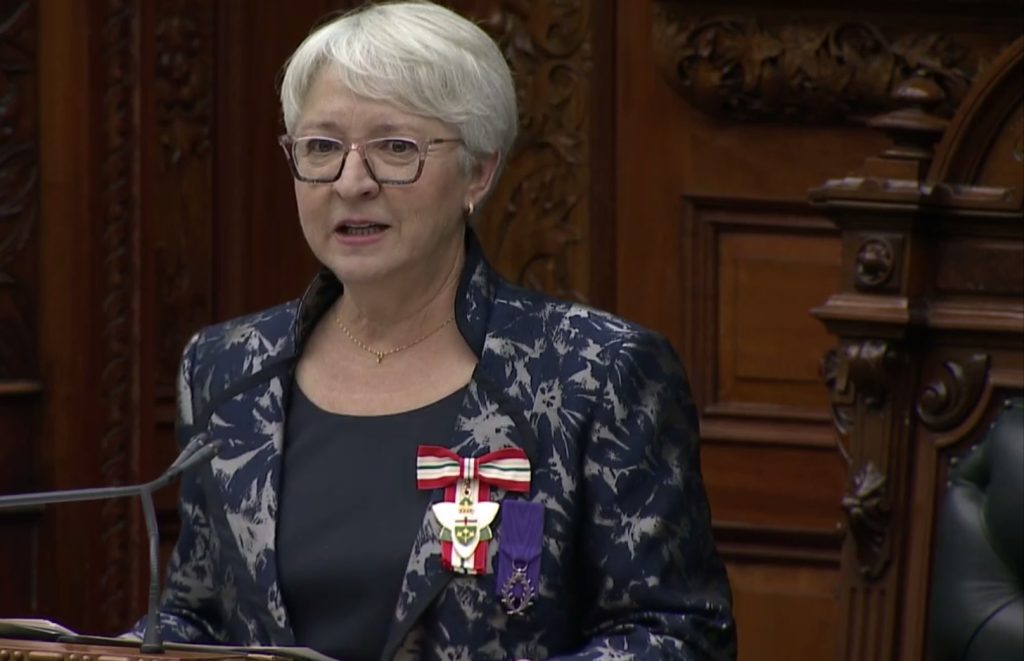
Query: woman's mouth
360, 229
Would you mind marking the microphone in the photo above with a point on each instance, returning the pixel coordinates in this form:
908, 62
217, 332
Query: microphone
199, 449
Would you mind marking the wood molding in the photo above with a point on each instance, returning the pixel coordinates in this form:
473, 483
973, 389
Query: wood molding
774, 426
757, 65
707, 222
19, 387
747, 542
985, 110
118, 183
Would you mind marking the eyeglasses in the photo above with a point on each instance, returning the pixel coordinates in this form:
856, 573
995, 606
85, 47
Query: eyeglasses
390, 161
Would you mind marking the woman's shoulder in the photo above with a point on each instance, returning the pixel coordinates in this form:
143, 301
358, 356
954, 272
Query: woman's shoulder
567, 321
265, 332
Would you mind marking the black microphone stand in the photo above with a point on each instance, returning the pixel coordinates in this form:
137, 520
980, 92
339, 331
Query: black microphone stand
197, 451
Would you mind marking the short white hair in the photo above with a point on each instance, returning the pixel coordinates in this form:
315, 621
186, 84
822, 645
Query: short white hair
419, 57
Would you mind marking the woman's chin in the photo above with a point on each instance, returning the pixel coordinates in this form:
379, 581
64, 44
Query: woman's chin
351, 273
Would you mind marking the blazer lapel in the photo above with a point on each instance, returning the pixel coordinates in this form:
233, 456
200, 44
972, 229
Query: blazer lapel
488, 421
247, 472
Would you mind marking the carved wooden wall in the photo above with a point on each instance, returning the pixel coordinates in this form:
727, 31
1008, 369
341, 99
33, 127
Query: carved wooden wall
724, 122
930, 316
20, 386
662, 172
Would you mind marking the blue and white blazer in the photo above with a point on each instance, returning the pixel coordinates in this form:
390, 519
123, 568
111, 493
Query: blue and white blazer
603, 411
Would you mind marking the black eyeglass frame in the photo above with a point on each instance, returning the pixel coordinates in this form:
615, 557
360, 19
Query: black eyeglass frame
287, 143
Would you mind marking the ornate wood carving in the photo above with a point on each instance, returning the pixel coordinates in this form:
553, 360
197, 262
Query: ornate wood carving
897, 174
804, 70
538, 220
860, 375
183, 82
869, 514
970, 149
878, 260
18, 194
835, 376
866, 368
947, 400
118, 181
18, 165
950, 292
183, 196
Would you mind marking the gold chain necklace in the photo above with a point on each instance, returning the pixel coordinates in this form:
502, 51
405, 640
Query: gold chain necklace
380, 354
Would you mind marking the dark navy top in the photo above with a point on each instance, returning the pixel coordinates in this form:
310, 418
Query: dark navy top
349, 514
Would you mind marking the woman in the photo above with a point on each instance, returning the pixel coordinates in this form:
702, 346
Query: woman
419, 459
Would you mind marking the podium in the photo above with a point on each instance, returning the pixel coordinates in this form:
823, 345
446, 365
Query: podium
33, 650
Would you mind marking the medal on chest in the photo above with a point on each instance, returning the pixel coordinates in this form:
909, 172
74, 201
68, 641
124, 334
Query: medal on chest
465, 524
467, 512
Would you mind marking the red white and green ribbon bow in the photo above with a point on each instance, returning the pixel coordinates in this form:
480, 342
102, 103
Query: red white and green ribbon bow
466, 513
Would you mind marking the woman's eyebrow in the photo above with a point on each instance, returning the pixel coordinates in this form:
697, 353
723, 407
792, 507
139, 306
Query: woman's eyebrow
380, 129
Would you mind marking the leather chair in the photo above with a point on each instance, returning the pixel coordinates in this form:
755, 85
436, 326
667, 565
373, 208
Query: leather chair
977, 603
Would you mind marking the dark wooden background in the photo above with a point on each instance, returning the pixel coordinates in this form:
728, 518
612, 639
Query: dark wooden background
663, 170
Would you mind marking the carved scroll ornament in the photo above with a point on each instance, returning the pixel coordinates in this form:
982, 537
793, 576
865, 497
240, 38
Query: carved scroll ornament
947, 400
856, 372
743, 68
866, 368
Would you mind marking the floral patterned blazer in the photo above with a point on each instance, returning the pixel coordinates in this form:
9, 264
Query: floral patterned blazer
603, 411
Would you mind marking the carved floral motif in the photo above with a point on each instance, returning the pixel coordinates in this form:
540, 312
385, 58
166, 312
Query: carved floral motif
184, 92
834, 375
184, 100
868, 513
875, 259
802, 70
539, 214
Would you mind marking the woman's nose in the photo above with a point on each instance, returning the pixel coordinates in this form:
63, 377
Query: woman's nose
355, 179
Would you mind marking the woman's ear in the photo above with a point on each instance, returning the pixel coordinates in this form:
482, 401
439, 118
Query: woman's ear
481, 177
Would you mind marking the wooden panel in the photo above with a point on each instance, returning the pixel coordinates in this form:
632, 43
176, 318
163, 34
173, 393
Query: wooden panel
20, 386
912, 389
787, 612
1004, 163
261, 258
770, 347
19, 529
713, 227
798, 488
976, 265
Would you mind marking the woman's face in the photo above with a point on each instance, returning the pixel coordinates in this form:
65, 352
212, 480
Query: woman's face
367, 233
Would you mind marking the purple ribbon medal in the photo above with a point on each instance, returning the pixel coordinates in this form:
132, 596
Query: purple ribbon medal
519, 546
